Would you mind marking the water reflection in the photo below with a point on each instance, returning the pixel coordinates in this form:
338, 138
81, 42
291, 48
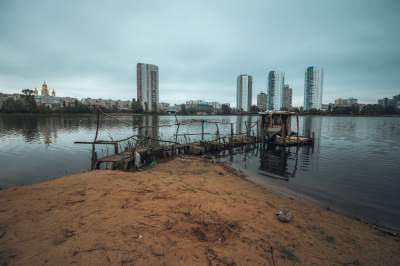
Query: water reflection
243, 124
149, 129
278, 162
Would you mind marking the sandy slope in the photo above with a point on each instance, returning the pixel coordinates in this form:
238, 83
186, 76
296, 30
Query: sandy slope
187, 211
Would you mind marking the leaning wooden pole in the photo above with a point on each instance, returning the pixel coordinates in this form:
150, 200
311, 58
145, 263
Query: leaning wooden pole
94, 156
297, 120
177, 129
202, 130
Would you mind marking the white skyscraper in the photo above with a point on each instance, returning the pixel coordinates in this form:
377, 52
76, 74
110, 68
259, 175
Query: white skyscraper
147, 86
313, 87
275, 90
244, 93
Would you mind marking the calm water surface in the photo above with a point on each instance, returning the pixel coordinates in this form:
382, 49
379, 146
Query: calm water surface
354, 165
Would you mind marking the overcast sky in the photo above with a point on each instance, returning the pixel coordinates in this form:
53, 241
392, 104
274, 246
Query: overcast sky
90, 48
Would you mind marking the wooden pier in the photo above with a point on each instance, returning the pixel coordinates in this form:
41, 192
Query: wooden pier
144, 150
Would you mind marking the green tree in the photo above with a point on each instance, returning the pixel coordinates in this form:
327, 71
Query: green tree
136, 107
253, 109
28, 99
226, 109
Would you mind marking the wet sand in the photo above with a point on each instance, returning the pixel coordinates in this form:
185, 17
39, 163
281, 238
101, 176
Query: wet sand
187, 211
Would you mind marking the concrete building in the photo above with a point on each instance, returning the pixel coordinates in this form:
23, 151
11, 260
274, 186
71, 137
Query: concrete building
109, 104
147, 86
393, 102
244, 93
262, 99
163, 107
345, 102
275, 90
287, 97
198, 106
53, 103
215, 105
313, 88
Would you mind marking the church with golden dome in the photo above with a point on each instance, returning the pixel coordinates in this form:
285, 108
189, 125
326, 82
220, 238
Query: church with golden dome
45, 90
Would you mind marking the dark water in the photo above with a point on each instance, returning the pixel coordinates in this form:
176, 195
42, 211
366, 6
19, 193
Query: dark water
354, 165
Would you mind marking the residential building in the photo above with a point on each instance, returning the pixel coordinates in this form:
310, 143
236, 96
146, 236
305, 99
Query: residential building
215, 105
53, 103
262, 99
198, 106
287, 97
163, 107
124, 106
313, 88
244, 93
345, 102
69, 102
147, 86
174, 109
117, 105
275, 90
393, 102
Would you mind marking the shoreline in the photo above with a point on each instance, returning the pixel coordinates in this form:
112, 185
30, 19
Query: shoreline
187, 210
162, 114
276, 187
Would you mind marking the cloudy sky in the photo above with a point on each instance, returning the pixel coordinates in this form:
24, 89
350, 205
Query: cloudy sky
90, 48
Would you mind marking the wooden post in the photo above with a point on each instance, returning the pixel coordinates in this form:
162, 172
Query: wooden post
177, 130
257, 130
202, 130
297, 120
231, 133
313, 138
94, 155
216, 124
284, 129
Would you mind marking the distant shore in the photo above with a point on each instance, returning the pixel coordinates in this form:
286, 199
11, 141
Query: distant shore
186, 211
163, 114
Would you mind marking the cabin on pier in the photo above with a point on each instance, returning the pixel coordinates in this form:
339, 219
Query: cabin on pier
275, 127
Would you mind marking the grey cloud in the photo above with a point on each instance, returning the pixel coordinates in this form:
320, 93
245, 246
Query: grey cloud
90, 48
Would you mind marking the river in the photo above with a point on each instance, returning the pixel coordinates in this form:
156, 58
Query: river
354, 165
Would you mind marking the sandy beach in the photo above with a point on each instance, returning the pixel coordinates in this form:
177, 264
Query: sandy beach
186, 211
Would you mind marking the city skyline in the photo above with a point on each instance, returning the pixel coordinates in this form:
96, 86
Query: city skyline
200, 58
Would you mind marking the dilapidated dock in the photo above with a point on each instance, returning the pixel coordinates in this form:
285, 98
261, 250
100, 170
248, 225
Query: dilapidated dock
142, 149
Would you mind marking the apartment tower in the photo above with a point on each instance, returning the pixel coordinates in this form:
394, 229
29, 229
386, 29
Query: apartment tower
275, 90
313, 87
147, 86
244, 93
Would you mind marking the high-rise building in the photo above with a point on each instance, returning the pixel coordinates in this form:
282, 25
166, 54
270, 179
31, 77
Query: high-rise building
313, 87
287, 97
244, 93
275, 90
262, 101
147, 86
